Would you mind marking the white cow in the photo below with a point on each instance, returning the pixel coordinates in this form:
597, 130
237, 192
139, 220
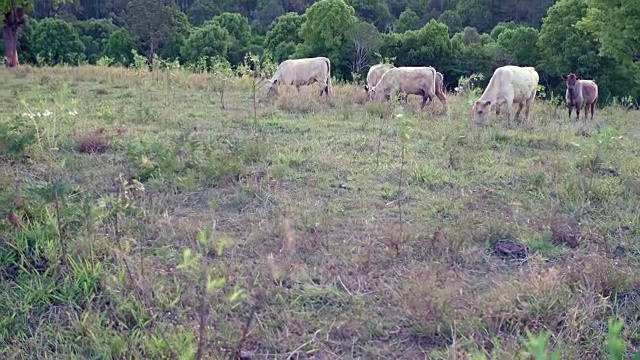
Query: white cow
304, 71
511, 85
407, 80
374, 75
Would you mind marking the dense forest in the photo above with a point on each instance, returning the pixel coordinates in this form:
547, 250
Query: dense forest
594, 38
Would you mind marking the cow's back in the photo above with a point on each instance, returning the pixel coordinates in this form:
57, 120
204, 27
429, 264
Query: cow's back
520, 82
589, 90
300, 71
420, 78
375, 73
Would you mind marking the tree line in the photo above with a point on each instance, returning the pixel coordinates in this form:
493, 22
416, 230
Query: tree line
596, 39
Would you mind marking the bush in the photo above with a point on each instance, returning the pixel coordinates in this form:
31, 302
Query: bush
210, 40
57, 42
119, 47
94, 34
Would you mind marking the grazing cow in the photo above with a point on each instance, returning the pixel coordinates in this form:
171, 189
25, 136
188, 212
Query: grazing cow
374, 75
407, 80
511, 85
376, 72
580, 92
304, 71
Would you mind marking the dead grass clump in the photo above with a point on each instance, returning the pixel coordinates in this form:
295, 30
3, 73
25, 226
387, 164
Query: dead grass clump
303, 102
101, 91
427, 296
602, 275
443, 245
93, 143
379, 109
535, 299
565, 230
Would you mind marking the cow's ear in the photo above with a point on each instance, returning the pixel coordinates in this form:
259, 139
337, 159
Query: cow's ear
564, 77
578, 77
366, 88
487, 103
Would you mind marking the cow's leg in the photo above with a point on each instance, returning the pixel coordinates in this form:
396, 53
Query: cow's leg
586, 110
298, 88
441, 97
425, 97
578, 112
520, 106
509, 111
593, 108
569, 107
528, 106
497, 108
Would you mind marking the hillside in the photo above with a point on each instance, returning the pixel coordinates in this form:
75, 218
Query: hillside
139, 216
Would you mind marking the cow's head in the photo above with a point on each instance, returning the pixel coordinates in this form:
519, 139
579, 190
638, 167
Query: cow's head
272, 86
571, 80
372, 93
480, 110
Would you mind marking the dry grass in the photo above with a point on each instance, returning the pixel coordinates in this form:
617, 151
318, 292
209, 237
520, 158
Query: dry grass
350, 238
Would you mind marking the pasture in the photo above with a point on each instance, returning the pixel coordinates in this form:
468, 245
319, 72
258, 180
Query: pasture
139, 216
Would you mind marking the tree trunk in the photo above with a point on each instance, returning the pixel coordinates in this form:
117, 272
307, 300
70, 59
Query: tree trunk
10, 35
12, 22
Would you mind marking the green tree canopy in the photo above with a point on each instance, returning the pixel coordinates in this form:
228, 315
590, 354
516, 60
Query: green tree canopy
270, 11
429, 46
500, 27
119, 46
326, 33
240, 31
55, 41
180, 31
520, 43
408, 20
452, 19
282, 36
563, 47
210, 40
94, 34
152, 23
616, 26
373, 11
202, 10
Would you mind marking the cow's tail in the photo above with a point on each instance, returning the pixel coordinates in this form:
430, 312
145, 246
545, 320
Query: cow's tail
328, 81
435, 82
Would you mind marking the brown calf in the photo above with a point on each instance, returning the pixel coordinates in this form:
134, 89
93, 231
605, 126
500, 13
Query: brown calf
580, 92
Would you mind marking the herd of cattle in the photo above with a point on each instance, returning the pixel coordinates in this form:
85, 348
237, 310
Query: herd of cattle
508, 85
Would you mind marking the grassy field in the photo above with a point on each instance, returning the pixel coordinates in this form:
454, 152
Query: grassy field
141, 219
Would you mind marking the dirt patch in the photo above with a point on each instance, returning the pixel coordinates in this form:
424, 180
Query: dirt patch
565, 230
508, 249
95, 142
